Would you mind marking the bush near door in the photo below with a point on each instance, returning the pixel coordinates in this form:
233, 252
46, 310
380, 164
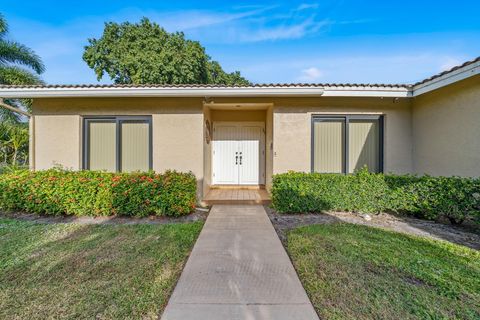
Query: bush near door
93, 193
428, 197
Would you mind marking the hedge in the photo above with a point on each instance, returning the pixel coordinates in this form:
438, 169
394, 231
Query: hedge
93, 193
428, 197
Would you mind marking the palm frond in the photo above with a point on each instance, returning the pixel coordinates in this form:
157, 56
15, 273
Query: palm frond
8, 116
14, 52
17, 75
3, 26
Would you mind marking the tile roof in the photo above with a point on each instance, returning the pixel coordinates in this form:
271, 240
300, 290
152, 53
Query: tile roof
438, 75
263, 85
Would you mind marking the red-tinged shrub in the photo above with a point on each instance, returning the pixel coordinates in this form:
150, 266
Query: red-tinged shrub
96, 193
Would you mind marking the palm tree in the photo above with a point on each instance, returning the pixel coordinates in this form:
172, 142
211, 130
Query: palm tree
18, 65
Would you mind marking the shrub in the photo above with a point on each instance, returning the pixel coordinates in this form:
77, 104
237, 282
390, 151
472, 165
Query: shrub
96, 193
429, 197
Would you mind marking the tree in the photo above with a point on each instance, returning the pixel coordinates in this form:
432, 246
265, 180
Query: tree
18, 65
144, 53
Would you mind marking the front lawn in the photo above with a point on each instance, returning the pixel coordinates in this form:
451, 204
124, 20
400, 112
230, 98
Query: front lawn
75, 271
358, 272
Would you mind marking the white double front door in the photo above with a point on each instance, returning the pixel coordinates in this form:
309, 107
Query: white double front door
238, 153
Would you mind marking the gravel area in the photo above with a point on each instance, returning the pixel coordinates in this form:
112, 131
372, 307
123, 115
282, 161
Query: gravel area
199, 215
468, 235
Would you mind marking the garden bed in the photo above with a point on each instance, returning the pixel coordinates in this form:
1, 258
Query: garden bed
468, 234
200, 214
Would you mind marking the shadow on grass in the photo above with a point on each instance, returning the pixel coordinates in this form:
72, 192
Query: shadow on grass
356, 272
467, 234
87, 271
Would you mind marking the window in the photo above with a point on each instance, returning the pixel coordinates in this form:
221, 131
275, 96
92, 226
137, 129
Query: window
344, 144
117, 143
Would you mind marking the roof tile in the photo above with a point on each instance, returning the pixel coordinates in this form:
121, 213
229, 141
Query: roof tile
438, 75
262, 85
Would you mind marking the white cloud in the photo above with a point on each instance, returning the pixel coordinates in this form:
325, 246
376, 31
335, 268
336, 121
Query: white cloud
305, 6
294, 31
194, 19
244, 24
310, 74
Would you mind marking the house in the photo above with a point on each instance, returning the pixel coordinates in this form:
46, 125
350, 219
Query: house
243, 135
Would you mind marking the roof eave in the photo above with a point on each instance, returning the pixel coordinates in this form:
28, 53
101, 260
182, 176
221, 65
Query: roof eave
378, 92
202, 92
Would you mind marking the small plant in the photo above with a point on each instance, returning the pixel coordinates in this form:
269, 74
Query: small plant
94, 193
428, 197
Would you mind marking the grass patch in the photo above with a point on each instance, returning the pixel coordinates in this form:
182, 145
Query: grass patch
359, 272
74, 271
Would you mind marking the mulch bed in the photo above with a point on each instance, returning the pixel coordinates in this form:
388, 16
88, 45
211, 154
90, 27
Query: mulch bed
467, 235
198, 215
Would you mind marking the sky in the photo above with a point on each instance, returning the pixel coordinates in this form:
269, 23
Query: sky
268, 42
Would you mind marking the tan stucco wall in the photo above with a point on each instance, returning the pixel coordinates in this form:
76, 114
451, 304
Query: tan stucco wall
57, 141
238, 115
177, 127
292, 130
179, 130
446, 130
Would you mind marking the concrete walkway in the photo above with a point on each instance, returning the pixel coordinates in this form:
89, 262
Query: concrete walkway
238, 270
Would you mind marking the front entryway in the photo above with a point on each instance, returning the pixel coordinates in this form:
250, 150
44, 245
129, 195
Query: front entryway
238, 153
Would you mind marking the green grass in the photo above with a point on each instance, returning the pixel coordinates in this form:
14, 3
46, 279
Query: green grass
73, 271
359, 272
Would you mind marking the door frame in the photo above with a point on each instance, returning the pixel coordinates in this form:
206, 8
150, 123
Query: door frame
262, 152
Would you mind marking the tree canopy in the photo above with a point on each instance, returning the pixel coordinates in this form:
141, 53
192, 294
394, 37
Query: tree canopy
145, 53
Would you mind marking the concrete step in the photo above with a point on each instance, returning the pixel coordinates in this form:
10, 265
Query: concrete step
212, 202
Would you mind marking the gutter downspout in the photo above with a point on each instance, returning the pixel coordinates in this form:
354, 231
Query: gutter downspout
31, 130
